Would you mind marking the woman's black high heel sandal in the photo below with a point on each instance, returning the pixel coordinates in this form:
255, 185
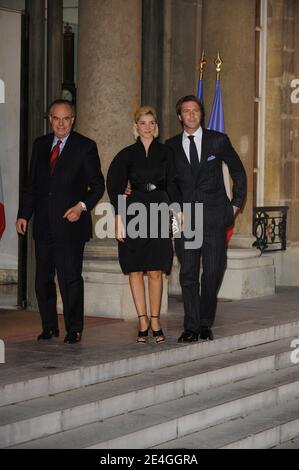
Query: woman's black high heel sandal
142, 335
158, 335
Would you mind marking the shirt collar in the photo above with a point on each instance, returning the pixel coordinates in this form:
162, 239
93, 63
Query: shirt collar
63, 140
197, 133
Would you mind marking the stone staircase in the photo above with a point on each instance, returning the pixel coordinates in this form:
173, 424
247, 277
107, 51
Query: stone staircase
238, 391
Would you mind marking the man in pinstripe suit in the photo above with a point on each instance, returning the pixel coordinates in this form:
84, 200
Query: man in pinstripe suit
65, 183
198, 155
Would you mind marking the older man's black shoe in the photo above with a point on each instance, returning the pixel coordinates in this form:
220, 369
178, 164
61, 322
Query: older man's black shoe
47, 334
188, 337
205, 332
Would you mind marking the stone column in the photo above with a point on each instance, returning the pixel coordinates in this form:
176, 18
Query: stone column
108, 93
281, 183
55, 49
181, 54
109, 73
36, 12
36, 123
171, 45
232, 32
282, 152
152, 55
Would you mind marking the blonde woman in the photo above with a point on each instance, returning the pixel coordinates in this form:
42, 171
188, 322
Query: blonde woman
147, 166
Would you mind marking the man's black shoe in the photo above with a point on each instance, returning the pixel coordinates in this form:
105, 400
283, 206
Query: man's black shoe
73, 338
188, 337
205, 332
47, 334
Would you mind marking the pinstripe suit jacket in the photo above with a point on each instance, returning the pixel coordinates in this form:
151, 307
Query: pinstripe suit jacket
77, 177
208, 187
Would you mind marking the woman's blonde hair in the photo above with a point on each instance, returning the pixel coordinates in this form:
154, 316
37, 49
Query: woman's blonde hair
144, 111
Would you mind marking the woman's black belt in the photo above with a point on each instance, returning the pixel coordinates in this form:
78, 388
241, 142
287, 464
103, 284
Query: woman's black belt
148, 187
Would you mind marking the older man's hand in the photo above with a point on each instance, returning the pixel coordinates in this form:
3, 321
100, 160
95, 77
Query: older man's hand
21, 226
74, 213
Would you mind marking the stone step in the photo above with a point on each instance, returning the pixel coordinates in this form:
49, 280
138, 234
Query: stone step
100, 401
292, 444
261, 429
101, 249
43, 383
152, 425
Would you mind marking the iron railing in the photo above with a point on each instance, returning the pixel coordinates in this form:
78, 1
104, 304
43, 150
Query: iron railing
269, 228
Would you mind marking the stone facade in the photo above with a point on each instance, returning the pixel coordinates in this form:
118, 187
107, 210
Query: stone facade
114, 53
109, 73
232, 32
282, 136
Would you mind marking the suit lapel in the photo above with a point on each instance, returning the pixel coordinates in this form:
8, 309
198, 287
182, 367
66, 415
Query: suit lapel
47, 152
65, 151
48, 146
183, 157
204, 149
204, 152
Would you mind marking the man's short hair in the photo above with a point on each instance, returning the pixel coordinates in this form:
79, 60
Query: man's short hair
186, 98
65, 102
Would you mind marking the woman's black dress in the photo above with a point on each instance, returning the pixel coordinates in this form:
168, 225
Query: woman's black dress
132, 164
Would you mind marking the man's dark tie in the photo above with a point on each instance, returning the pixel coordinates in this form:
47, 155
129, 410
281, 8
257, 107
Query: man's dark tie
194, 162
54, 155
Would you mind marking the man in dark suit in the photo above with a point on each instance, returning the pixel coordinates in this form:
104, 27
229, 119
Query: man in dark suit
65, 183
199, 154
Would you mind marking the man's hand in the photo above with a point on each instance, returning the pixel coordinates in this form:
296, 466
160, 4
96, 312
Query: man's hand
236, 209
74, 213
128, 190
180, 217
119, 229
21, 226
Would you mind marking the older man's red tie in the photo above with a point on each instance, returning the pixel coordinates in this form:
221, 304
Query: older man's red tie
54, 155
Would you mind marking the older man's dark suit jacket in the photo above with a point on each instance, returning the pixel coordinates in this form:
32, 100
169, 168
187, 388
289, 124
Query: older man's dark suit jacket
77, 177
59, 244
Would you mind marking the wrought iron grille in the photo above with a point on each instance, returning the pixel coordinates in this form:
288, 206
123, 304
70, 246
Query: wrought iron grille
269, 228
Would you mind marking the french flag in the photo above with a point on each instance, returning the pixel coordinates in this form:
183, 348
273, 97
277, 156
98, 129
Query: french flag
2, 211
217, 124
